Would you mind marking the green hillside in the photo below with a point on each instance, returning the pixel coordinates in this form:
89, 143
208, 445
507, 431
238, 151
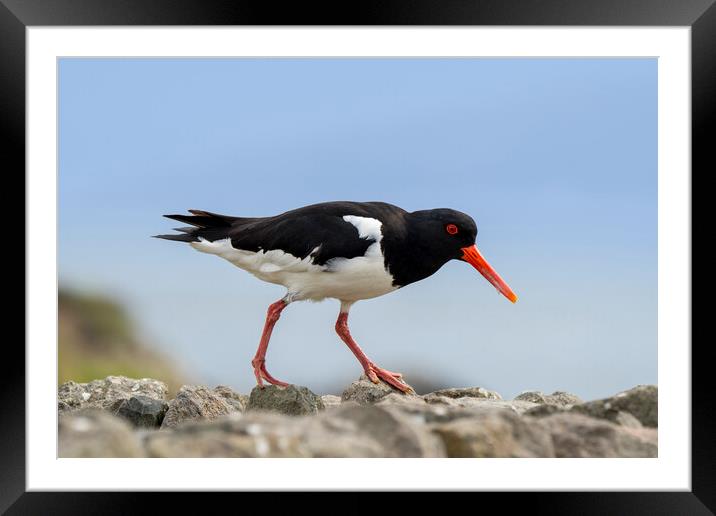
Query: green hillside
97, 338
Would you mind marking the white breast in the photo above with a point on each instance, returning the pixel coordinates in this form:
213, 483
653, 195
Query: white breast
347, 279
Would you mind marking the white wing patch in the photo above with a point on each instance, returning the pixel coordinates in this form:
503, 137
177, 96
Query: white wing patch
368, 228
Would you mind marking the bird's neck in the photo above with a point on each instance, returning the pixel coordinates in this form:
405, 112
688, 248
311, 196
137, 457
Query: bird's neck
409, 256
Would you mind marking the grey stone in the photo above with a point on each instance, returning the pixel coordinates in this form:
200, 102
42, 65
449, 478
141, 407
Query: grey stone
544, 410
195, 402
442, 409
257, 434
143, 411
364, 391
641, 402
498, 433
557, 398
236, 400
293, 400
402, 400
576, 435
533, 396
516, 406
331, 401
354, 430
564, 399
108, 393
419, 412
481, 404
96, 433
626, 419
350, 430
462, 392
384, 430
368, 420
328, 437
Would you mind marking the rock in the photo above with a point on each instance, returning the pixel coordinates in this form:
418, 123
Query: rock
233, 398
641, 402
331, 401
576, 435
257, 434
600, 410
498, 433
543, 410
350, 430
463, 392
195, 402
120, 417
95, 433
564, 399
328, 437
517, 406
481, 404
418, 411
442, 409
401, 400
364, 391
475, 398
626, 419
557, 398
143, 411
293, 400
617, 409
354, 430
107, 394
532, 396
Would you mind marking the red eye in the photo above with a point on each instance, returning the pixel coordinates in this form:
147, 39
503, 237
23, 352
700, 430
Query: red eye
451, 228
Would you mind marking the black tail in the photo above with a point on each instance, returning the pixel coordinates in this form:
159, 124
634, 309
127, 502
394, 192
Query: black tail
204, 224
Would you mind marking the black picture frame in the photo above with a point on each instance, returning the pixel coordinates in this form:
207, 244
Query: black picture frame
17, 15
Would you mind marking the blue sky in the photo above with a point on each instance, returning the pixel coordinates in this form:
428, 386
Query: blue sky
556, 159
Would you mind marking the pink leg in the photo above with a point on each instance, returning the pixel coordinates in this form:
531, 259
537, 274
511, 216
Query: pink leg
259, 361
372, 371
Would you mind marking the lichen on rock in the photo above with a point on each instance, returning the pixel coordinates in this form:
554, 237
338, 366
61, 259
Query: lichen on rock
108, 393
292, 400
195, 402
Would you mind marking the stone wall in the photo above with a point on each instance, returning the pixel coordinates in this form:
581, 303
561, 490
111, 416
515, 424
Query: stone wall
123, 417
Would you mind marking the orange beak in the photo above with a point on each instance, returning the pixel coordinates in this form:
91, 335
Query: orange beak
472, 256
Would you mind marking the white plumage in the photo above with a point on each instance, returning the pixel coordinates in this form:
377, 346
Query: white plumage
346, 279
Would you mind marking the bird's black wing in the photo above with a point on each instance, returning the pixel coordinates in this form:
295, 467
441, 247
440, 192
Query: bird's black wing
321, 236
318, 230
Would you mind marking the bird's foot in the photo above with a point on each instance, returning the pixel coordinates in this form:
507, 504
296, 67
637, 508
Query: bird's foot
262, 374
395, 380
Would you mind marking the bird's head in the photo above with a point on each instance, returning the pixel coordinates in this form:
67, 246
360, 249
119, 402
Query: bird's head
451, 234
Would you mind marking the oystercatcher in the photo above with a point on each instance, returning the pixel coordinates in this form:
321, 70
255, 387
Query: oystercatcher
343, 250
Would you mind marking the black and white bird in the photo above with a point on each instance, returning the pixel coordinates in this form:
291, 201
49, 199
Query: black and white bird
345, 250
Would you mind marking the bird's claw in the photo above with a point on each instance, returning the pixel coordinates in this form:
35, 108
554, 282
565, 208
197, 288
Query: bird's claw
395, 380
262, 374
